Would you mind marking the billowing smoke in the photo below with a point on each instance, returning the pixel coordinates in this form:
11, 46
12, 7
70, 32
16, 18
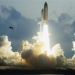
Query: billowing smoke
30, 55
7, 56
58, 50
34, 57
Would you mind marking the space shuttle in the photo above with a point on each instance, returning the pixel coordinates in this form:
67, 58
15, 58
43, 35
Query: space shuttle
44, 14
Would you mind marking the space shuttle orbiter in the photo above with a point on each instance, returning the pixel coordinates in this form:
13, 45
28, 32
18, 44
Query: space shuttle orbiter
44, 14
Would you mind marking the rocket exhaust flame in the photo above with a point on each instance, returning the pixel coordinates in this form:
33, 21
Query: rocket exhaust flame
45, 39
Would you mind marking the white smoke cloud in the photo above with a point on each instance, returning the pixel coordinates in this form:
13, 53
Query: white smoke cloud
34, 57
7, 56
58, 50
73, 46
31, 55
5, 47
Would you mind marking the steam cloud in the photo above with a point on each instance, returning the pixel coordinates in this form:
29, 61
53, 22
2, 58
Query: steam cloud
7, 56
30, 54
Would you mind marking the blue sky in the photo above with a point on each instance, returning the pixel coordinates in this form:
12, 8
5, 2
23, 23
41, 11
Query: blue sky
24, 15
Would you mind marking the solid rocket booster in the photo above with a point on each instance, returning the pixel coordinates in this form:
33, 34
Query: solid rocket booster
42, 15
